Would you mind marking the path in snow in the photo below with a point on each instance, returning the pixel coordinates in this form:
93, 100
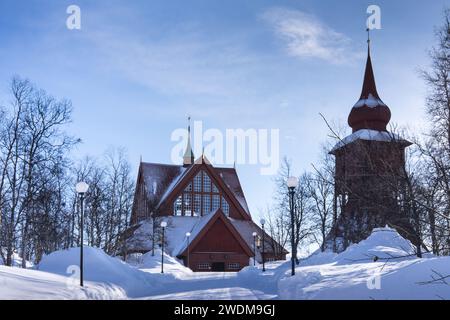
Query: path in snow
212, 285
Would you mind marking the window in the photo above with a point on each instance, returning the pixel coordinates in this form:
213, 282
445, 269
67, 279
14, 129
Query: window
215, 202
177, 208
234, 266
198, 182
187, 204
197, 205
206, 183
225, 207
204, 266
200, 197
206, 204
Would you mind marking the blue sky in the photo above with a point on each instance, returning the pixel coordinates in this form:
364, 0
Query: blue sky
137, 68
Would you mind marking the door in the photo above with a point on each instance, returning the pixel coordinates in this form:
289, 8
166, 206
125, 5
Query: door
218, 266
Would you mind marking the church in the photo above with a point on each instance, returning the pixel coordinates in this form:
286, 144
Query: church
209, 225
370, 175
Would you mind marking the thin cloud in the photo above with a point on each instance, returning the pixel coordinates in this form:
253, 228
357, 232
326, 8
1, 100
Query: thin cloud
308, 37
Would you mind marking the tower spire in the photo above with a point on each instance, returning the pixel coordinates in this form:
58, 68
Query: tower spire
369, 112
369, 86
188, 157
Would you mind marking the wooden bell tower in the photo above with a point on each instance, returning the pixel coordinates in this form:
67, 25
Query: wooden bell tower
369, 171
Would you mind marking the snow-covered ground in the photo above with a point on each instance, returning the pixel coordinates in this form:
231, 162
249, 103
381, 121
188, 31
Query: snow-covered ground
353, 274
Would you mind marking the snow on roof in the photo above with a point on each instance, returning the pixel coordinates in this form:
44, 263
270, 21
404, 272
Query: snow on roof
246, 229
176, 230
231, 179
197, 227
370, 135
157, 177
172, 185
370, 102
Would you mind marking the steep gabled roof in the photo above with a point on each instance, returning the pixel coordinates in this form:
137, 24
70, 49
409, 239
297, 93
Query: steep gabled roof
205, 223
158, 178
246, 229
230, 177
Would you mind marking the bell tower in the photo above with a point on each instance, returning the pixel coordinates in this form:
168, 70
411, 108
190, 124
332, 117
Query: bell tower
369, 171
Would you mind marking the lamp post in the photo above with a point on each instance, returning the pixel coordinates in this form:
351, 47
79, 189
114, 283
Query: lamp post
254, 247
163, 226
188, 235
292, 183
263, 221
153, 233
81, 188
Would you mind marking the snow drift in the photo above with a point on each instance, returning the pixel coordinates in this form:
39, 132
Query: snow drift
100, 268
354, 274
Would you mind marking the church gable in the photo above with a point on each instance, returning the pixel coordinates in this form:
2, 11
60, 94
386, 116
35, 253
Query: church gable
218, 235
201, 191
219, 239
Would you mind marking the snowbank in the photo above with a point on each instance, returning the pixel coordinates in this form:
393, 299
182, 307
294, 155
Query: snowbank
384, 243
353, 274
100, 268
25, 284
152, 264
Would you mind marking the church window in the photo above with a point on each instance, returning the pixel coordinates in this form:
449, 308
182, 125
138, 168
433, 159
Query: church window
197, 205
225, 207
198, 182
206, 204
206, 183
200, 197
177, 208
187, 204
234, 266
204, 266
215, 202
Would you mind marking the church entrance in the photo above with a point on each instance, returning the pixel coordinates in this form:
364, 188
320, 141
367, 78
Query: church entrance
218, 266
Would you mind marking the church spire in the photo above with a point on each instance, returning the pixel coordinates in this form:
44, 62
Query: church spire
369, 112
369, 86
188, 157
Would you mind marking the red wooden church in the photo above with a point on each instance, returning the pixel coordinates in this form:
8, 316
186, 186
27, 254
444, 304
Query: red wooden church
204, 201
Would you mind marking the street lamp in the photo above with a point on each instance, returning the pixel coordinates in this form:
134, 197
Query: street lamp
188, 235
163, 226
81, 188
153, 233
263, 221
254, 247
292, 183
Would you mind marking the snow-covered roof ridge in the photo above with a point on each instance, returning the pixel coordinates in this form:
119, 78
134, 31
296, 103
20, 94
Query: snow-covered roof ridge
172, 185
371, 102
370, 135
